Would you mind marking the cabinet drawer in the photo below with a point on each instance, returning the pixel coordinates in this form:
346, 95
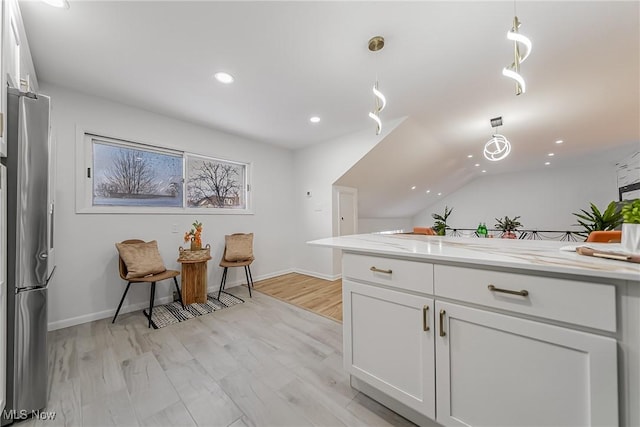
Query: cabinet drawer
582, 303
397, 273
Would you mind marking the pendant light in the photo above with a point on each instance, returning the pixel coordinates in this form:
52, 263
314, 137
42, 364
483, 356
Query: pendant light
375, 44
498, 147
519, 41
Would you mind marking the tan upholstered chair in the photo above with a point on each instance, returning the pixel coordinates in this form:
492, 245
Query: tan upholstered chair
238, 252
152, 278
609, 236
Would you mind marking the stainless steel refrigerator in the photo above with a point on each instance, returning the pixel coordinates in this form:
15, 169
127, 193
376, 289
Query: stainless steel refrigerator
29, 252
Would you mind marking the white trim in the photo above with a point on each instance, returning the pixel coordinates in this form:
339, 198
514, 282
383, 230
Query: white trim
216, 286
318, 275
78, 320
83, 195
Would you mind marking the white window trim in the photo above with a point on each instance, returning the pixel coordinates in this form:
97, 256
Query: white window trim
84, 185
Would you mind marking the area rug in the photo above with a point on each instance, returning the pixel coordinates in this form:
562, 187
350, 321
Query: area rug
172, 313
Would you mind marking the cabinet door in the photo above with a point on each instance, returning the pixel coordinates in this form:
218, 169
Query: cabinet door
493, 369
388, 343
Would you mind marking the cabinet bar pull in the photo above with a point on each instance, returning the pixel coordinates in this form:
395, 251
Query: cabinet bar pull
425, 310
522, 293
442, 332
378, 270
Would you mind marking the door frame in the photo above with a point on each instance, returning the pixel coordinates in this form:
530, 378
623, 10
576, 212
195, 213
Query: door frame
337, 190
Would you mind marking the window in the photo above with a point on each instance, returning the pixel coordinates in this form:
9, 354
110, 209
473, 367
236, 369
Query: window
127, 177
213, 183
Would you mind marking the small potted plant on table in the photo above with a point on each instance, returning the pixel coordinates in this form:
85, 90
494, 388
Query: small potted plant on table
508, 226
631, 226
597, 220
440, 226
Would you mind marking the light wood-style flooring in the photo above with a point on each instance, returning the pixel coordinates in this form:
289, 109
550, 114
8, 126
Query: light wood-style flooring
261, 363
320, 296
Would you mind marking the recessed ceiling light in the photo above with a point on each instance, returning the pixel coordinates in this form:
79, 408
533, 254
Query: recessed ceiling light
314, 119
62, 4
428, 191
413, 188
470, 156
547, 163
477, 164
550, 154
439, 194
223, 77
484, 170
559, 141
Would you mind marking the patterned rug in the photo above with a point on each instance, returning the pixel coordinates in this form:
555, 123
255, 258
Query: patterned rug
169, 314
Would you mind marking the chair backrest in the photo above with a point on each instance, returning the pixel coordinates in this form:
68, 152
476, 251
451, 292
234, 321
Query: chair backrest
122, 267
609, 236
424, 230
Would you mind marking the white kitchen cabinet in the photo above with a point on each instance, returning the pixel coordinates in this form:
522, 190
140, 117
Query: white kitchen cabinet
388, 343
480, 347
499, 370
18, 64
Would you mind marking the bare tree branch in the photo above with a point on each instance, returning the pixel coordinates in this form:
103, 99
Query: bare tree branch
130, 173
214, 184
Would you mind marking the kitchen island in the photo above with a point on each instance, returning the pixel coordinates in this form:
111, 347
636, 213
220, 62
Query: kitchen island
464, 331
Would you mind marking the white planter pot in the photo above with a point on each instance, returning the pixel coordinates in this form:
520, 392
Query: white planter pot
631, 238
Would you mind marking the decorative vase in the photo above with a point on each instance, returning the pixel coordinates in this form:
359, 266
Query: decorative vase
631, 238
509, 235
195, 246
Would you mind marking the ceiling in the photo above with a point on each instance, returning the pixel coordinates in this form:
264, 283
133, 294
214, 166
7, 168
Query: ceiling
440, 68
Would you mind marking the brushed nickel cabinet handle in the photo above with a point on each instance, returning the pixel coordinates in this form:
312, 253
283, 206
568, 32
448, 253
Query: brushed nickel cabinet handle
522, 293
425, 310
378, 270
442, 332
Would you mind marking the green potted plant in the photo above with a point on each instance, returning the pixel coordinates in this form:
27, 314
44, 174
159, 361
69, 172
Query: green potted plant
597, 220
440, 226
631, 226
508, 226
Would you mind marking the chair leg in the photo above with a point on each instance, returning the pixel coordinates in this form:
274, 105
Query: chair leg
121, 301
179, 293
248, 282
223, 281
250, 276
153, 295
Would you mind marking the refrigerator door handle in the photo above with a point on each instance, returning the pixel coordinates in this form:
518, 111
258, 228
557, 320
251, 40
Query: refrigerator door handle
50, 276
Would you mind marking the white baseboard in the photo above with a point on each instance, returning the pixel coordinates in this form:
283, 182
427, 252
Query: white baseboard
104, 314
242, 280
318, 275
65, 323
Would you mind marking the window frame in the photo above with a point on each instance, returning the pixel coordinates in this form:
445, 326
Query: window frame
84, 183
246, 184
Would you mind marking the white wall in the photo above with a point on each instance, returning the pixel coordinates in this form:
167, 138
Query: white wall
374, 225
545, 199
316, 168
86, 284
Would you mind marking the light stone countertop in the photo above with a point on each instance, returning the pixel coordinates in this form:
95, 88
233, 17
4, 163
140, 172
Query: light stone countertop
537, 255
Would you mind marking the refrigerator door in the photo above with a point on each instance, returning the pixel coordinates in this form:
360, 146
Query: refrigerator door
32, 207
30, 382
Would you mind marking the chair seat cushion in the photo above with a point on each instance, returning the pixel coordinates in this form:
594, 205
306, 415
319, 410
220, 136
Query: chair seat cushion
141, 259
225, 263
167, 274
